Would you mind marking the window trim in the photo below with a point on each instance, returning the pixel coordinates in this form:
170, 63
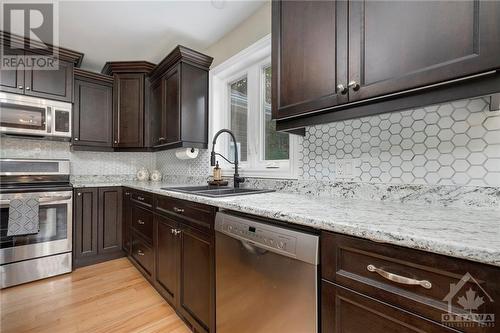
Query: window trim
241, 64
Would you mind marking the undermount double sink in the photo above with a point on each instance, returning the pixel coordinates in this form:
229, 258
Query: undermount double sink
215, 191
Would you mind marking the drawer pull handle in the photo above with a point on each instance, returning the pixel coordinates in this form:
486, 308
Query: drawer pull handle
140, 198
175, 231
140, 253
141, 222
398, 278
178, 210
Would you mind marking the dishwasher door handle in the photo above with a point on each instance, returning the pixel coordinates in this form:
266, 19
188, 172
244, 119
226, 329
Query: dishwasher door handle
252, 248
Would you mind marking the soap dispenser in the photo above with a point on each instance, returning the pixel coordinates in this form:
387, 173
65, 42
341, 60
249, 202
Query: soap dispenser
217, 172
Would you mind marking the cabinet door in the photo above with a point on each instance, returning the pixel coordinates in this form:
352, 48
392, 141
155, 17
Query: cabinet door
126, 221
347, 311
128, 110
399, 45
157, 110
85, 224
12, 80
110, 220
172, 105
51, 84
93, 114
167, 258
309, 55
197, 284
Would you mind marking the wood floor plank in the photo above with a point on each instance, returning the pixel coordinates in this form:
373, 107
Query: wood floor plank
108, 297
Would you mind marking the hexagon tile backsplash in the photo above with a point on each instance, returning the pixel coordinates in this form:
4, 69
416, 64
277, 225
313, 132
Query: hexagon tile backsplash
454, 143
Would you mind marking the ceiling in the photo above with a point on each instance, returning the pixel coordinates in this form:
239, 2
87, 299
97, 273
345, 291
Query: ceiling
145, 30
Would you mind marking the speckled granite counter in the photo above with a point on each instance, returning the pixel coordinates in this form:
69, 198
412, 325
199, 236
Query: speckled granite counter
472, 234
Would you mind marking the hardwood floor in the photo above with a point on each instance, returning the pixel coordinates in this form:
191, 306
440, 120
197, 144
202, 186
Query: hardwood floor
108, 297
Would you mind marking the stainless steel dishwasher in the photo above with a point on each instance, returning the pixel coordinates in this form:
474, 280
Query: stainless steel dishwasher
266, 277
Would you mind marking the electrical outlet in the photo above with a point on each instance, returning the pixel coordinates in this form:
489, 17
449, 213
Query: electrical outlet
344, 168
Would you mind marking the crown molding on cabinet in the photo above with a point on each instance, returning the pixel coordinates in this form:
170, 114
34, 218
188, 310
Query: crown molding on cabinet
81, 73
139, 66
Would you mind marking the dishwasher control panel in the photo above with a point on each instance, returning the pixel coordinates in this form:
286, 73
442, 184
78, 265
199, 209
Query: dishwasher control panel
259, 233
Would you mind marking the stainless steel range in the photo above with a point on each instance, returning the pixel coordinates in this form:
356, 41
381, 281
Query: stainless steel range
47, 253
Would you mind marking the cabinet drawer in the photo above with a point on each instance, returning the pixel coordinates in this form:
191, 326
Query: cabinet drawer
142, 222
343, 310
385, 272
143, 254
145, 199
196, 214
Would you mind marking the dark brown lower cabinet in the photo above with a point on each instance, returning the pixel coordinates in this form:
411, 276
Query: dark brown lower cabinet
97, 234
143, 254
126, 221
346, 311
178, 255
85, 215
197, 264
167, 258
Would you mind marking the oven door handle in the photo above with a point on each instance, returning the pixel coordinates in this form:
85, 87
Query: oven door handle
42, 200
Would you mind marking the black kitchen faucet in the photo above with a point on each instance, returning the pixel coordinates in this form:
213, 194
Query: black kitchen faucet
237, 178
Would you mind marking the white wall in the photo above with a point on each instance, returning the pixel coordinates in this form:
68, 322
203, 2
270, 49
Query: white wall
248, 32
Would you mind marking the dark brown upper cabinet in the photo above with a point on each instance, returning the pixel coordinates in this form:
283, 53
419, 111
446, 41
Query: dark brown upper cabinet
92, 111
12, 80
364, 57
51, 84
129, 95
395, 46
179, 100
309, 58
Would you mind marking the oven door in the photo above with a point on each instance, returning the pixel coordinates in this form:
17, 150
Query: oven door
55, 217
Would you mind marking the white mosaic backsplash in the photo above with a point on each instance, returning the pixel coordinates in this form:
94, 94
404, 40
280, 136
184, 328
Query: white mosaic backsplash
168, 164
451, 143
82, 163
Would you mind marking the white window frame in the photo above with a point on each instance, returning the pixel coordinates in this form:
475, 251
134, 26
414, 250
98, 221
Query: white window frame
249, 62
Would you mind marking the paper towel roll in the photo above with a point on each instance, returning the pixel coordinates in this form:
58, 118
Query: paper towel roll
186, 154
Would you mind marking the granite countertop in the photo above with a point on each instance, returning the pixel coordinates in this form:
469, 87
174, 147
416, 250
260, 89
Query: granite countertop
472, 234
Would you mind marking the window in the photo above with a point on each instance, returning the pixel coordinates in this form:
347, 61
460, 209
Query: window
241, 101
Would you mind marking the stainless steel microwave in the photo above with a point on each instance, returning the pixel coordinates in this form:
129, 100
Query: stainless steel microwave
38, 117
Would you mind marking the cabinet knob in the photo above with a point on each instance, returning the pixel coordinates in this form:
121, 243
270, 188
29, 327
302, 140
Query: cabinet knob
116, 141
140, 253
20, 87
342, 89
175, 231
79, 194
28, 88
76, 139
354, 85
178, 210
161, 139
140, 198
141, 222
127, 193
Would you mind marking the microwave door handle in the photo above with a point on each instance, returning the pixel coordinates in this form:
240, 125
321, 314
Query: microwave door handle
41, 200
49, 119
